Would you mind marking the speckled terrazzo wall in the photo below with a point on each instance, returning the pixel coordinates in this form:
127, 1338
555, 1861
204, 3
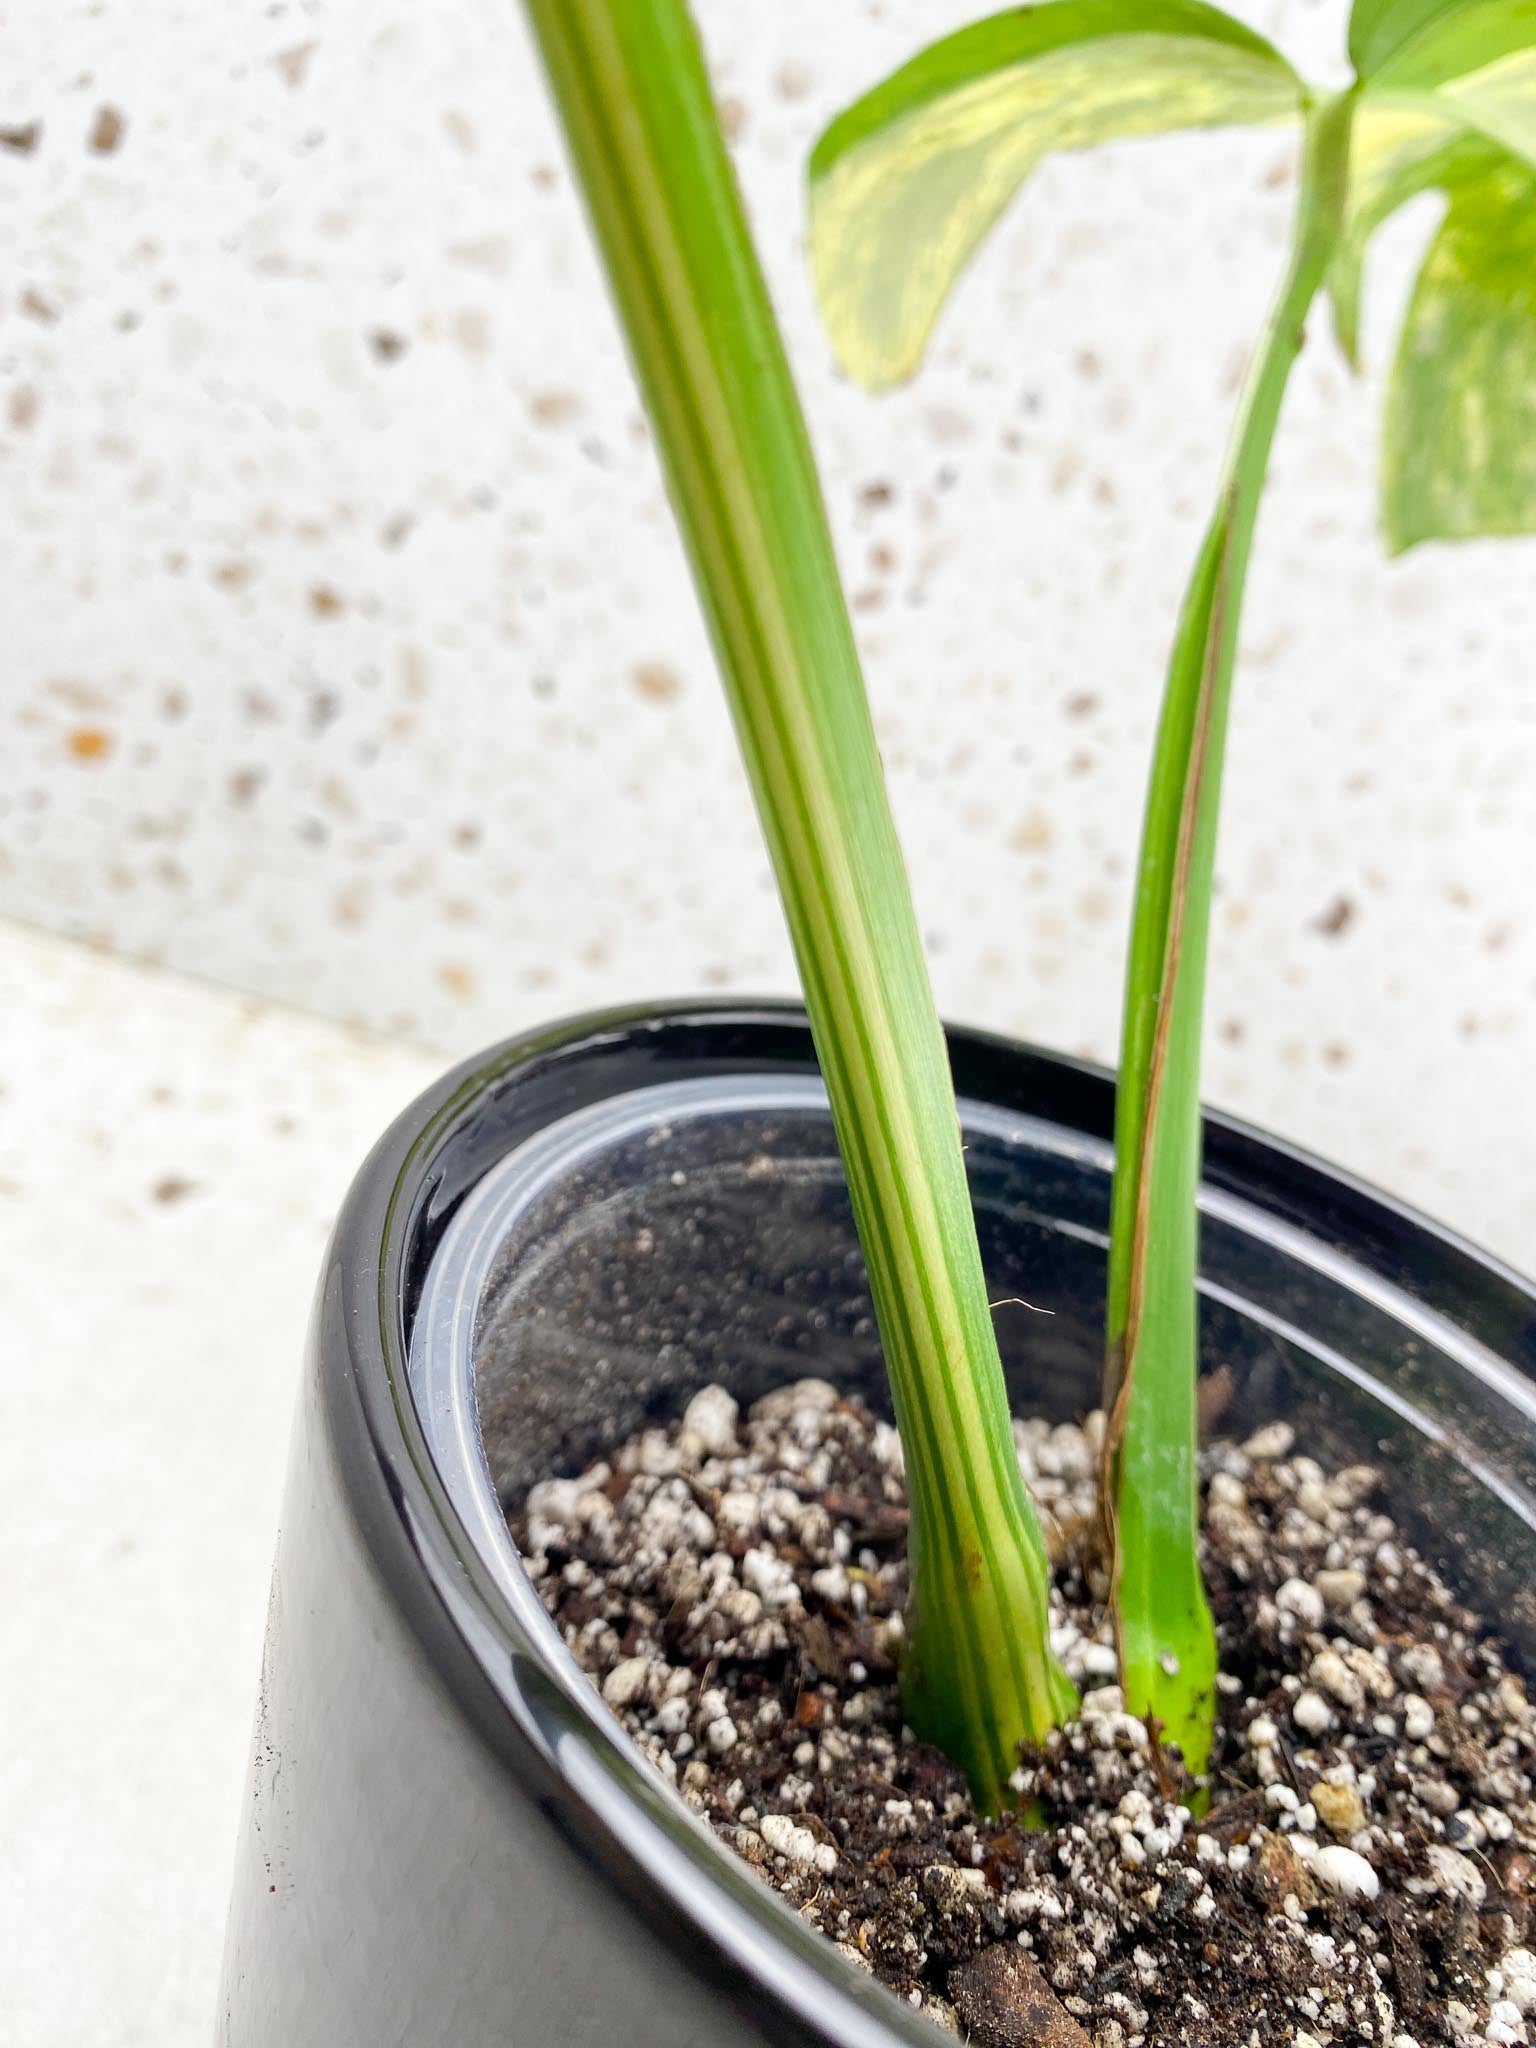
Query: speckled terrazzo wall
348, 656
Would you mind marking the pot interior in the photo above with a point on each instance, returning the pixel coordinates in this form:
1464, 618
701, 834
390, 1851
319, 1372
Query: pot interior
693, 1231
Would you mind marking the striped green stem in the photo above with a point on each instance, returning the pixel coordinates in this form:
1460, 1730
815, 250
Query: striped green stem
629, 80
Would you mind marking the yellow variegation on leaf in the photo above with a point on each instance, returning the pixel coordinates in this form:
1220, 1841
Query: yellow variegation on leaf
1472, 64
907, 182
1450, 106
1399, 151
1459, 442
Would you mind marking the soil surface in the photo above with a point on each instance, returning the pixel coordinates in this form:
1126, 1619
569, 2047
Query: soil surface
1365, 1871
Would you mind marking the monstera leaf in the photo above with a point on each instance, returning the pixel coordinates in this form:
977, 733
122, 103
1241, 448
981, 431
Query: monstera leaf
1459, 443
1472, 64
1449, 104
1379, 29
906, 183
1398, 153
1420, 37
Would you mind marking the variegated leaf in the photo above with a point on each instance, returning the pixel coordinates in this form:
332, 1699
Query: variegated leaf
907, 182
1459, 443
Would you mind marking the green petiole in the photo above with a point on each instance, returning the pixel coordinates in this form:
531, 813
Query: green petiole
1167, 1641
630, 83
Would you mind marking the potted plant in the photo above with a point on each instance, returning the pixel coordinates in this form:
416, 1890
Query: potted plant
564, 1279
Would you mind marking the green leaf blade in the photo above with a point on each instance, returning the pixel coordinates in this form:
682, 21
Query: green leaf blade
1472, 63
907, 182
1380, 31
1459, 438
1421, 48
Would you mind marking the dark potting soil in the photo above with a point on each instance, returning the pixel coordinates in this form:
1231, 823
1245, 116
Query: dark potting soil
1365, 1871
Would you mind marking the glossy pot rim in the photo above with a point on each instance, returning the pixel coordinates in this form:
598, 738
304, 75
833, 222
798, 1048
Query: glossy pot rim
515, 1680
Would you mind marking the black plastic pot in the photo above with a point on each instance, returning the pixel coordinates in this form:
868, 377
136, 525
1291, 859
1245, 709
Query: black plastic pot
448, 1840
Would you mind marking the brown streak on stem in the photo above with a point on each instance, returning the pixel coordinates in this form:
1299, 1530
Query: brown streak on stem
1115, 1422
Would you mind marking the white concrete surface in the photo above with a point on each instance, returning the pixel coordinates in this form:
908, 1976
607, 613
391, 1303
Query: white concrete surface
350, 658
170, 1157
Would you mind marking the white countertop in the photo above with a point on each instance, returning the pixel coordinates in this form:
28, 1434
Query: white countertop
170, 1159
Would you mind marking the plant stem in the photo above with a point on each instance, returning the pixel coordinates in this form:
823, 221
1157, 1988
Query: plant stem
630, 83
1167, 1643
